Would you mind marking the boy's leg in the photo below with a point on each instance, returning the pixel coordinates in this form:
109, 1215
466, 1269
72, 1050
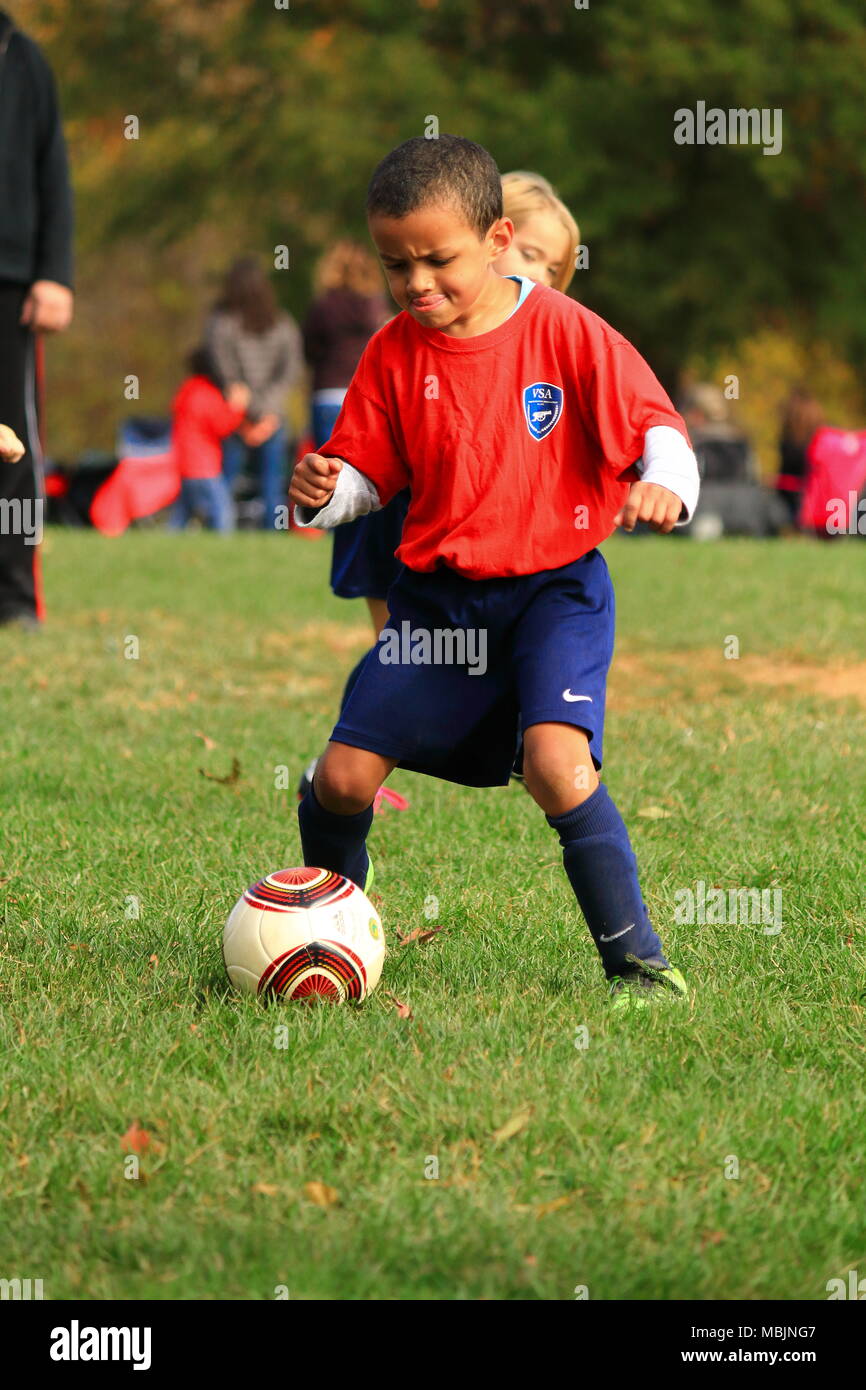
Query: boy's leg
379, 615
336, 814
597, 854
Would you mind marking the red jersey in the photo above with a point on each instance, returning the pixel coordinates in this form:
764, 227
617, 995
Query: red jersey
201, 419
517, 444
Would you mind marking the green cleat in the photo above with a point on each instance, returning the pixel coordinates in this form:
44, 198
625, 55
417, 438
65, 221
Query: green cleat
371, 876
644, 985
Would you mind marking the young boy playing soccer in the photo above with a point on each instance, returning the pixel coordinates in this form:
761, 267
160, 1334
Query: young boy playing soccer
527, 430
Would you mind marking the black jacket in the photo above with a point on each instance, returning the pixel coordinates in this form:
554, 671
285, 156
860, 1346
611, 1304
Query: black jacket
35, 193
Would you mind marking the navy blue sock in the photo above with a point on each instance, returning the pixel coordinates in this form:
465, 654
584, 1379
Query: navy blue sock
602, 870
331, 841
350, 681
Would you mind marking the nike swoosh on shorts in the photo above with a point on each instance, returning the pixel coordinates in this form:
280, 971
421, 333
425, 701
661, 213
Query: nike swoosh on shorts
567, 695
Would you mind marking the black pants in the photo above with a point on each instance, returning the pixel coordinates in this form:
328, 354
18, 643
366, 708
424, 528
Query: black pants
21, 485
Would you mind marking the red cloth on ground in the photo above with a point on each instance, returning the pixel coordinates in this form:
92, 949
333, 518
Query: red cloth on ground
136, 488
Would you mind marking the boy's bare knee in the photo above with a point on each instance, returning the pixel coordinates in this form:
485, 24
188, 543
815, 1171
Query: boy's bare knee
346, 779
558, 767
339, 790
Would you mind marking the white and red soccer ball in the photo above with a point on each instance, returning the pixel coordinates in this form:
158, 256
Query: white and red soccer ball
304, 934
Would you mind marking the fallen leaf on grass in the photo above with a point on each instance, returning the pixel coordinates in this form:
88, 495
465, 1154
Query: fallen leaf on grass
403, 1010
226, 781
421, 934
135, 1140
208, 742
513, 1126
655, 813
321, 1194
557, 1204
265, 1189
713, 1238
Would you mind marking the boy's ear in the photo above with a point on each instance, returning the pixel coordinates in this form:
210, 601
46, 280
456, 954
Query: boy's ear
500, 236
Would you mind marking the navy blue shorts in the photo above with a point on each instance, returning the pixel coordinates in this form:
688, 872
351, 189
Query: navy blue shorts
498, 655
363, 563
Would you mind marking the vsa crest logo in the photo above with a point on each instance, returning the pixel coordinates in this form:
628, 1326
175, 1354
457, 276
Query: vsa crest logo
542, 407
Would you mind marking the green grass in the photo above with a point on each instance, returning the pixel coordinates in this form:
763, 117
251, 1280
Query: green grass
617, 1181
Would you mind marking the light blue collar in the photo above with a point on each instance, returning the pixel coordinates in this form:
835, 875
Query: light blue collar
526, 285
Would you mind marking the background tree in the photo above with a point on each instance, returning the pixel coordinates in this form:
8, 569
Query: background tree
259, 127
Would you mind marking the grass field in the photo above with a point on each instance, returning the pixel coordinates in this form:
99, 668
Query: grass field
608, 1165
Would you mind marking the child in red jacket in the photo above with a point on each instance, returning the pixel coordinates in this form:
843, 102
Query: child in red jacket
202, 417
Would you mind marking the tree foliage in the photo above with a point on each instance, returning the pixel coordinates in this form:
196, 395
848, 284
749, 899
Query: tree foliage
260, 126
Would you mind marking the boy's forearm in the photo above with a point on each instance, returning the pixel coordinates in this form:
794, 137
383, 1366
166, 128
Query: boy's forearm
668, 461
353, 496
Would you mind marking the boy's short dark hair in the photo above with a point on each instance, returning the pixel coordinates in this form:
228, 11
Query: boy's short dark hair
448, 169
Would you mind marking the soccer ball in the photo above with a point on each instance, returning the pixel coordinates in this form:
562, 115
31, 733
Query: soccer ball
305, 934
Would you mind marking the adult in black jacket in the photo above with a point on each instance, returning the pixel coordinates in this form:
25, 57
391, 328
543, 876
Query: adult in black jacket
35, 296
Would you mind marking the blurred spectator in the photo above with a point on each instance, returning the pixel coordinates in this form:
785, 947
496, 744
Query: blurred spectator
202, 417
733, 502
347, 309
722, 449
35, 296
255, 342
802, 417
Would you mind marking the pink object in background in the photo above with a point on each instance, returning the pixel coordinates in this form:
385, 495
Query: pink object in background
834, 481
